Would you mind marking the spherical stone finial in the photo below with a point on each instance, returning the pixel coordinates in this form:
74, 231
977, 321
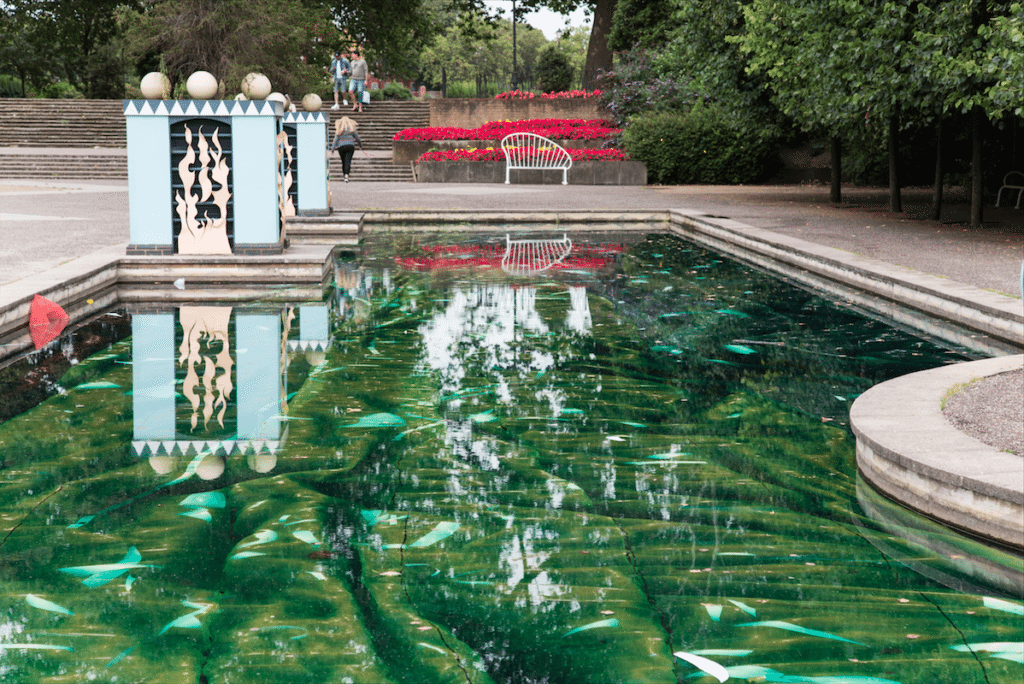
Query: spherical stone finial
256, 86
201, 86
312, 102
155, 86
279, 97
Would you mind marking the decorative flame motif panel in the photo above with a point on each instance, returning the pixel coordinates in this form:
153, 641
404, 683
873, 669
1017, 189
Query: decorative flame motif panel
201, 185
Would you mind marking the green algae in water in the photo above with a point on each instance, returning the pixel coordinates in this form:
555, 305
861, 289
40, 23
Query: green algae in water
701, 475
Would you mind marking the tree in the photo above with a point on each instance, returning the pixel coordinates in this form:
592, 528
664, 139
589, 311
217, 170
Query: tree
483, 53
71, 31
287, 40
554, 72
23, 52
645, 24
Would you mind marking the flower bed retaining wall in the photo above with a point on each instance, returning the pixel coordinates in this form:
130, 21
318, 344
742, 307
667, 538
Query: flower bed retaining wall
581, 173
405, 151
471, 112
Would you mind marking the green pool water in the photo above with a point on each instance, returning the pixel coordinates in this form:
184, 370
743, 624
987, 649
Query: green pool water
633, 466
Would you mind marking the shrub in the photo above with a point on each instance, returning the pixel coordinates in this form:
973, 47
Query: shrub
397, 91
9, 86
638, 86
554, 71
699, 147
60, 90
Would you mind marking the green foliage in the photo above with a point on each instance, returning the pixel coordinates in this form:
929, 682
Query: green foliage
286, 41
9, 86
396, 91
700, 147
644, 24
641, 85
105, 70
554, 72
60, 90
468, 89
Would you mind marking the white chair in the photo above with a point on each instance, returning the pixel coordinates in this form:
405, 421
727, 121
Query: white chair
1008, 185
532, 151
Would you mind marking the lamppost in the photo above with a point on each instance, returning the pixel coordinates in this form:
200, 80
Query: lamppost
515, 68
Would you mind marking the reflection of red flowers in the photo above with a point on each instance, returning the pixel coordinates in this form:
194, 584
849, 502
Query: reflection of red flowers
563, 95
557, 129
441, 257
498, 155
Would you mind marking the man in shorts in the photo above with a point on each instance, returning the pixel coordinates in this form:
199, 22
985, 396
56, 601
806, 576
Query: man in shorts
358, 80
339, 72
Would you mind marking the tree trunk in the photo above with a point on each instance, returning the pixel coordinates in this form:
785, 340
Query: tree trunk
895, 201
836, 154
937, 188
977, 210
599, 56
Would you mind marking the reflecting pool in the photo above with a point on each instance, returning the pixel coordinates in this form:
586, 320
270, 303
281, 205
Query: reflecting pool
613, 459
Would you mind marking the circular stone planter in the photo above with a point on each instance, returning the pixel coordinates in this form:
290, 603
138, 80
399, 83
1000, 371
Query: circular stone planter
581, 173
908, 451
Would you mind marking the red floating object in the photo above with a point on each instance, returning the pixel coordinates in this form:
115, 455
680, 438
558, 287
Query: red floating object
46, 321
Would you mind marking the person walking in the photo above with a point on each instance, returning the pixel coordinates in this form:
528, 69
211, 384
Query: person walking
345, 140
339, 71
357, 80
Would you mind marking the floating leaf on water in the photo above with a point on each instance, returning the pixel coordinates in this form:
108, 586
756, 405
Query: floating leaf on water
1015, 657
739, 349
991, 646
378, 420
98, 575
846, 679
37, 647
631, 424
319, 575
43, 604
799, 630
205, 500
431, 646
442, 530
120, 656
670, 456
702, 663
97, 385
484, 417
306, 536
734, 553
189, 621
732, 312
735, 652
571, 412
84, 520
198, 513
714, 611
246, 554
128, 582
277, 628
999, 604
262, 537
744, 607
610, 622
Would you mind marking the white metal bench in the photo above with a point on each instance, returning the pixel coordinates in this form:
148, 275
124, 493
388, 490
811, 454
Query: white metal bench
532, 151
1010, 183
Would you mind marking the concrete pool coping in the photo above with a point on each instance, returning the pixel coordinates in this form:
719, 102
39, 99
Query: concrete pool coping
988, 322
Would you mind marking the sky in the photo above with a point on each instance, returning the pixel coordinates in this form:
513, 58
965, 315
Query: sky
548, 22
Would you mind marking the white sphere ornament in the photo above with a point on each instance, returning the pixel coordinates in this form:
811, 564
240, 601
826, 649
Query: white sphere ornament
312, 102
202, 86
278, 97
240, 97
256, 86
154, 86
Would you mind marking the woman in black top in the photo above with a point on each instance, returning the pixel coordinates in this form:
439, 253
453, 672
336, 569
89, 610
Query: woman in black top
345, 141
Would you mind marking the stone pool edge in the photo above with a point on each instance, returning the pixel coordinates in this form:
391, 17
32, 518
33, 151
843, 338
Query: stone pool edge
908, 451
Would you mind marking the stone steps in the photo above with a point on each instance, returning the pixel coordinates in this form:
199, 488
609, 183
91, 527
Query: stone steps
92, 124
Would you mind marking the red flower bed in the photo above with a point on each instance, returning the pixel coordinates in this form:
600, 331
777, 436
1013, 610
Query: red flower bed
564, 129
495, 154
563, 95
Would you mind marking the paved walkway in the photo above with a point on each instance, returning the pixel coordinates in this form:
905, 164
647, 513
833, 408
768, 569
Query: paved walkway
45, 223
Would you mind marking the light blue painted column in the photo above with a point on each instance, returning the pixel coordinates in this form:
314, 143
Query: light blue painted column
254, 165
311, 141
149, 176
313, 324
258, 346
153, 376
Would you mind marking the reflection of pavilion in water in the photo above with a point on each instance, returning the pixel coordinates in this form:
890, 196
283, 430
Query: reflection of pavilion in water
231, 367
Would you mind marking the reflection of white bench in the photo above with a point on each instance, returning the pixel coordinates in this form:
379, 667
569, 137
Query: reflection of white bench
1011, 181
532, 151
524, 257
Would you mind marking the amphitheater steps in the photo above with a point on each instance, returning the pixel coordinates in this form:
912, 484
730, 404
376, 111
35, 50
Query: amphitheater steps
90, 124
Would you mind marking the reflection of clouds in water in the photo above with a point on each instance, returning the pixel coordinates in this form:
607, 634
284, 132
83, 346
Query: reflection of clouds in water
520, 557
608, 480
